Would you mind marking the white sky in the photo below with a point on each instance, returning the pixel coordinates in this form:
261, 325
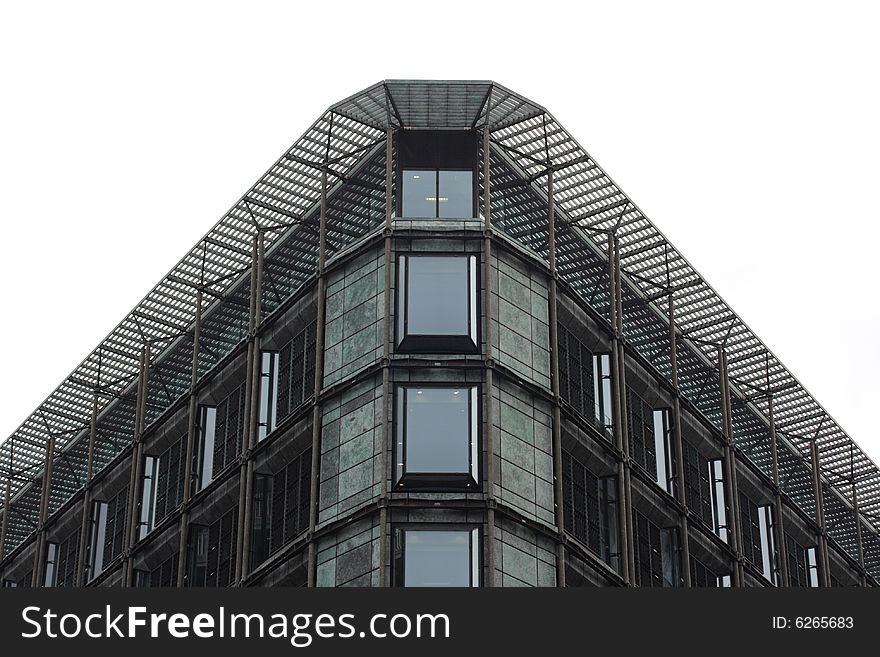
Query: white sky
748, 133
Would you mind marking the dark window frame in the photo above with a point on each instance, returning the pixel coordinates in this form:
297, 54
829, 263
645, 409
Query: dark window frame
475, 548
469, 343
422, 481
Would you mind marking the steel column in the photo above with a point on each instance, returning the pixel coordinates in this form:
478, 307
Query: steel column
319, 379
731, 491
387, 395
6, 498
554, 384
190, 441
137, 465
859, 546
779, 520
87, 497
678, 475
252, 396
620, 430
824, 574
488, 360
40, 556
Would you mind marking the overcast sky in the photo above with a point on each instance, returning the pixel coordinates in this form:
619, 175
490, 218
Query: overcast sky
747, 132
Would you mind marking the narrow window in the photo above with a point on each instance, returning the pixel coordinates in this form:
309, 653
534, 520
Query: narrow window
97, 538
148, 497
812, 567
197, 550
203, 455
51, 564
437, 304
670, 556
724, 581
765, 525
436, 437
662, 448
437, 558
608, 522
719, 508
268, 394
261, 521
602, 391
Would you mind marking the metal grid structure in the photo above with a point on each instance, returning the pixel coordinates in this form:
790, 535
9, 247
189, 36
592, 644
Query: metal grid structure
534, 162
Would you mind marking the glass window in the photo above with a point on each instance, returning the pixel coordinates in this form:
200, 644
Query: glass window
438, 193
419, 194
148, 498
437, 558
51, 563
437, 435
663, 449
268, 394
455, 194
437, 304
812, 567
97, 538
719, 509
602, 391
198, 549
768, 548
203, 465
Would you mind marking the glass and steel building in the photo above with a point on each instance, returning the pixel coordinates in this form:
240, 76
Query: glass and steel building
435, 345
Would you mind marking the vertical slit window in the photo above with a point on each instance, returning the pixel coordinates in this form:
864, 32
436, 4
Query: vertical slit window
268, 394
97, 538
602, 391
51, 564
148, 496
203, 466
719, 505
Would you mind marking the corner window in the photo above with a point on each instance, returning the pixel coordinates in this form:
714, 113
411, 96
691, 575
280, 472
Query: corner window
436, 432
148, 496
436, 179
203, 455
437, 558
437, 304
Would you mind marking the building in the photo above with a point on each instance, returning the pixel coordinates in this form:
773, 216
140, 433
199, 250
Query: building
435, 344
